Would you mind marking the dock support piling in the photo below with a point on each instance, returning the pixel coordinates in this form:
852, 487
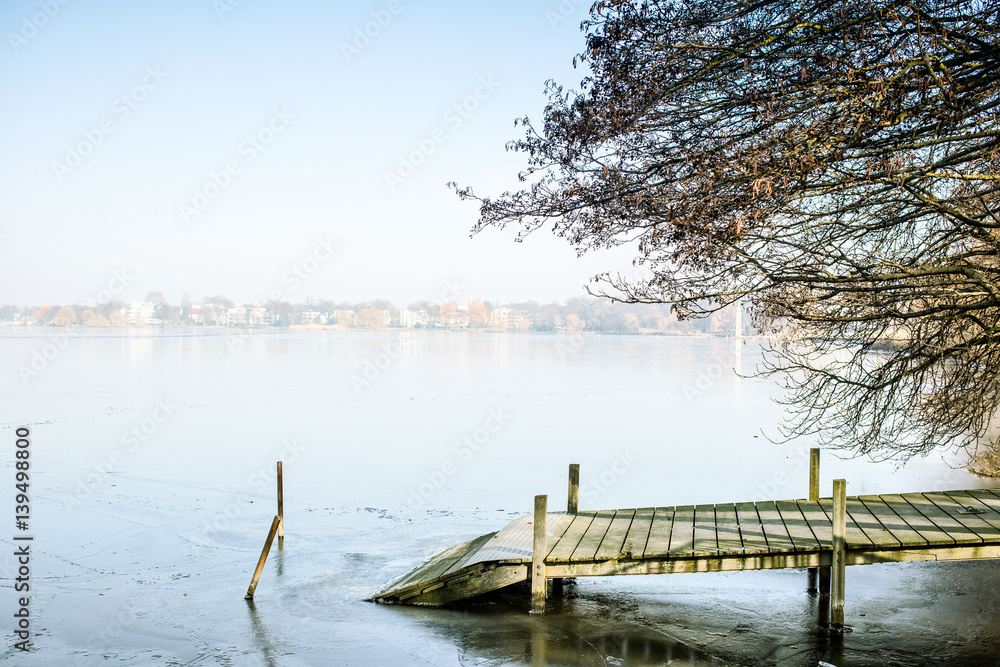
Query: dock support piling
837, 588
824, 581
263, 558
281, 508
538, 552
573, 501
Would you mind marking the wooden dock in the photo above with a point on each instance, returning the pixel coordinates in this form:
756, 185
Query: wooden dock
941, 526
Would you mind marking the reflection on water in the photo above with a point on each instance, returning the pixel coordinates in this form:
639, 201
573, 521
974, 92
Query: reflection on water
563, 636
261, 637
553, 643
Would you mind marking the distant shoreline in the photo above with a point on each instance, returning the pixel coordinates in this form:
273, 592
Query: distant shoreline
220, 329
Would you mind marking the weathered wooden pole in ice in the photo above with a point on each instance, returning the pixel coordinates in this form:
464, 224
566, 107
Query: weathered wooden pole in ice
538, 555
839, 552
281, 508
263, 558
573, 497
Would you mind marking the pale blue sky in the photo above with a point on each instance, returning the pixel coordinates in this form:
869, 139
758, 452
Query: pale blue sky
168, 92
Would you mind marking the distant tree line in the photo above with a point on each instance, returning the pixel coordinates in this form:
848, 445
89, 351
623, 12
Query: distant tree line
579, 314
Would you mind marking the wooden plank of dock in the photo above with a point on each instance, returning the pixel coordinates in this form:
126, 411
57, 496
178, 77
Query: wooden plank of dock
658, 543
984, 496
706, 541
817, 521
775, 532
682, 533
915, 521
614, 539
983, 529
869, 524
638, 533
591, 540
944, 522
802, 536
562, 550
513, 542
748, 520
892, 522
968, 501
728, 527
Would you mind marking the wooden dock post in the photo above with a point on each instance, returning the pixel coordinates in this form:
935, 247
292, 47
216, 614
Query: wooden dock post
813, 497
824, 581
281, 508
573, 497
837, 589
263, 558
814, 474
572, 507
538, 552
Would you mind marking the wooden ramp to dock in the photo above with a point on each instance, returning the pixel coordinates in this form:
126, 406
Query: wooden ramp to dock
949, 525
824, 533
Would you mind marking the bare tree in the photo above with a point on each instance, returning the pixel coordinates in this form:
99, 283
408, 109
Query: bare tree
833, 165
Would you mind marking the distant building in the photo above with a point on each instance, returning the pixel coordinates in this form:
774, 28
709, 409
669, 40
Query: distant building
257, 316
507, 315
194, 314
141, 313
515, 320
246, 316
412, 319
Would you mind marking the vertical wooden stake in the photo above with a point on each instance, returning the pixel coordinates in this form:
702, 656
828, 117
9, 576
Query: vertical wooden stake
814, 474
813, 497
837, 588
281, 508
572, 507
263, 558
538, 555
573, 502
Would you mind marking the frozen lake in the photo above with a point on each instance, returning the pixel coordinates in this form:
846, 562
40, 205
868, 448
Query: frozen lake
153, 457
